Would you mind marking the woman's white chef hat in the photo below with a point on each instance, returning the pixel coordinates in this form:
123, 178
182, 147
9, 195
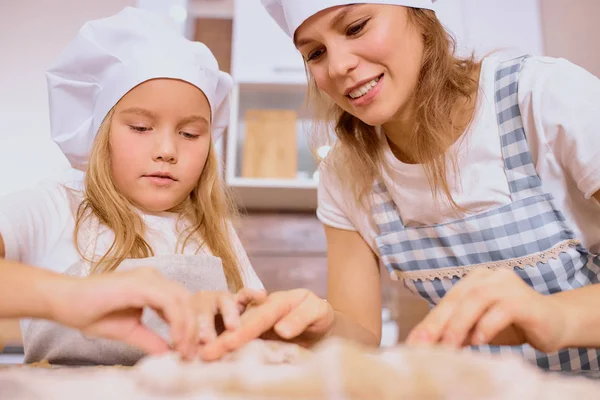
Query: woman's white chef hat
290, 14
111, 56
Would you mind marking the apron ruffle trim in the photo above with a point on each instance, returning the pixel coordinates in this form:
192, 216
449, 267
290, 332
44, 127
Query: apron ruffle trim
520, 262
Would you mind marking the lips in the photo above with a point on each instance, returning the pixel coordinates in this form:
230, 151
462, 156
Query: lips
362, 88
161, 175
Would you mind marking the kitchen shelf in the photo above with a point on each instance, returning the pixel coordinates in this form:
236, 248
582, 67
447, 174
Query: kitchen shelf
274, 194
269, 193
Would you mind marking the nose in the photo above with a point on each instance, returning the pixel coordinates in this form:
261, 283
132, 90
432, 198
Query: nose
340, 61
165, 148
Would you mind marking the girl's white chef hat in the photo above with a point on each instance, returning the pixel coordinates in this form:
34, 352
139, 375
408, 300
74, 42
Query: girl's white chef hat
111, 56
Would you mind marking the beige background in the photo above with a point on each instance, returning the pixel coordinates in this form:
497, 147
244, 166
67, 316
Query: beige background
572, 30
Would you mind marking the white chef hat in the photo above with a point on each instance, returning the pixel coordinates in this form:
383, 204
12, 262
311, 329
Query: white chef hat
111, 56
290, 14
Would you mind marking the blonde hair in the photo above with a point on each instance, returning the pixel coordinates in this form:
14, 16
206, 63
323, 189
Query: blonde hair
207, 211
444, 80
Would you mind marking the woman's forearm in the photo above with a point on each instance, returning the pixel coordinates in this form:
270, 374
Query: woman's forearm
25, 291
347, 328
582, 309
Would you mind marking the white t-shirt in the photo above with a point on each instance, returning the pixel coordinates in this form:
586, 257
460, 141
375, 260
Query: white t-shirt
37, 227
560, 107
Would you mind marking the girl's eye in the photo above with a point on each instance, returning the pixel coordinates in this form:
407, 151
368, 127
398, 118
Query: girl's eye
139, 128
356, 29
315, 55
189, 135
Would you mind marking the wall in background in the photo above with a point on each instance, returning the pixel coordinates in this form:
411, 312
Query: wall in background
32, 34
571, 30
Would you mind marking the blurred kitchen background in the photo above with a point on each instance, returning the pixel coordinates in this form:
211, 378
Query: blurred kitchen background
265, 153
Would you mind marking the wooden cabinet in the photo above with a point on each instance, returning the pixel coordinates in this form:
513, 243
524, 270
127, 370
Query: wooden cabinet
289, 251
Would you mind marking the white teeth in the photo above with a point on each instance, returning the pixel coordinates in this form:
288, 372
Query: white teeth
364, 89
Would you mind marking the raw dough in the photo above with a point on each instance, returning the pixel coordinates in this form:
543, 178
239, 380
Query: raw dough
335, 370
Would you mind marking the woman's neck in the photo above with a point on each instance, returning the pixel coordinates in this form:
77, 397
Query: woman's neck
398, 133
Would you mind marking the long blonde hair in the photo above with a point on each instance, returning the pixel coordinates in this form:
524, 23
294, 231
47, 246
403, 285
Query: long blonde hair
207, 212
444, 80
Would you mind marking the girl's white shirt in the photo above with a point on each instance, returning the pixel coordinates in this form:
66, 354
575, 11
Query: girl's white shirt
37, 227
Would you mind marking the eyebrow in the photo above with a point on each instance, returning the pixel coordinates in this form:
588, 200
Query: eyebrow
336, 20
192, 119
139, 111
150, 114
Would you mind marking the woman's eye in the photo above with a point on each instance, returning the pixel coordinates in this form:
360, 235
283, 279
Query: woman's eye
356, 29
139, 128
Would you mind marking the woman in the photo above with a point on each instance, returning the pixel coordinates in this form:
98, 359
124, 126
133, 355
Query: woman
442, 167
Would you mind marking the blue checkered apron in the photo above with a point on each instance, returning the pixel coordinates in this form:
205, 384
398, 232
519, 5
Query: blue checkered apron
529, 235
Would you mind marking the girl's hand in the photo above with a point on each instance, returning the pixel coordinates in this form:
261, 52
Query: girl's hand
296, 315
110, 305
228, 306
494, 307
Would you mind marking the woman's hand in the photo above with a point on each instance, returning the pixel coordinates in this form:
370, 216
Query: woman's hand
227, 306
494, 307
296, 315
110, 305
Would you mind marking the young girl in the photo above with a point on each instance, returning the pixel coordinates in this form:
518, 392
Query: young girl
137, 107
443, 166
